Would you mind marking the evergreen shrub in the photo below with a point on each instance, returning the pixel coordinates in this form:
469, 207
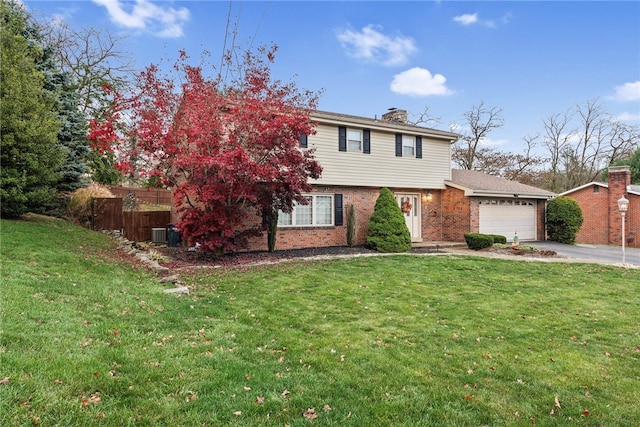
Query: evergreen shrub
477, 241
388, 230
498, 238
564, 219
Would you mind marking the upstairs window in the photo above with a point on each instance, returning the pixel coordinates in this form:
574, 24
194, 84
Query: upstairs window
408, 146
354, 140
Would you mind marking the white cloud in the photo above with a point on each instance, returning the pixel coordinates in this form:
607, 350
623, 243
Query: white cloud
466, 19
628, 92
628, 117
373, 46
418, 81
472, 18
145, 15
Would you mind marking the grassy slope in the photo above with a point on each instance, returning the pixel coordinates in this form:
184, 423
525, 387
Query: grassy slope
398, 340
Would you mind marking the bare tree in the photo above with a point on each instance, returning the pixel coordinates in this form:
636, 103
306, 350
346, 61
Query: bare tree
425, 118
92, 58
480, 121
582, 143
557, 138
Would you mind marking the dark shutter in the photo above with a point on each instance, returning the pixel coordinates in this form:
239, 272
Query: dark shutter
366, 141
337, 201
418, 147
342, 138
398, 145
304, 140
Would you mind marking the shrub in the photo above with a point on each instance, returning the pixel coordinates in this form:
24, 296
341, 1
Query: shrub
477, 241
388, 231
351, 225
497, 238
564, 219
80, 204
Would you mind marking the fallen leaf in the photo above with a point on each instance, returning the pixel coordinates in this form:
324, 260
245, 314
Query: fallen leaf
557, 403
342, 357
585, 413
5, 380
237, 413
310, 414
326, 408
285, 393
468, 396
101, 415
587, 394
57, 382
35, 421
245, 388
260, 400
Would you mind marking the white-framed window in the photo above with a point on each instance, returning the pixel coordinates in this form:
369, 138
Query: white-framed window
317, 213
354, 140
408, 146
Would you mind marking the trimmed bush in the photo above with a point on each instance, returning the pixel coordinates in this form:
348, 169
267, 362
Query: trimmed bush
497, 238
477, 241
564, 219
388, 230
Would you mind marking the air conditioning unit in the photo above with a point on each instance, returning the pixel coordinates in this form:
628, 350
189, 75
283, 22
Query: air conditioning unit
159, 235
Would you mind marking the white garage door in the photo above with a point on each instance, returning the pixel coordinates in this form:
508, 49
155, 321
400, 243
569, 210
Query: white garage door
507, 216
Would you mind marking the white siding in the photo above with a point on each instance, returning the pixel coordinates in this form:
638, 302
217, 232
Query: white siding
381, 168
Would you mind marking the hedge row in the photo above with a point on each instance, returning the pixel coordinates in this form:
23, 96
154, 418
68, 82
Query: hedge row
477, 241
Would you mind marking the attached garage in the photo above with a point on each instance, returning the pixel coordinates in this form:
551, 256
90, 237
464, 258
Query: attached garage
508, 216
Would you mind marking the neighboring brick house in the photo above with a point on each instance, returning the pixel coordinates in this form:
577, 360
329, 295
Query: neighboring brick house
599, 203
361, 155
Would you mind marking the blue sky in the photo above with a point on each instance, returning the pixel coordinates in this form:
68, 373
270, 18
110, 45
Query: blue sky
532, 59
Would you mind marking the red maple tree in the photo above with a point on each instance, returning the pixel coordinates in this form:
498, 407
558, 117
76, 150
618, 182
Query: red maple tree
228, 146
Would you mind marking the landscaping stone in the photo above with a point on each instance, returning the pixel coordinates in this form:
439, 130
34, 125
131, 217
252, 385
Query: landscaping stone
178, 290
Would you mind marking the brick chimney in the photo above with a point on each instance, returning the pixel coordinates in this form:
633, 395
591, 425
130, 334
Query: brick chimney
619, 180
395, 116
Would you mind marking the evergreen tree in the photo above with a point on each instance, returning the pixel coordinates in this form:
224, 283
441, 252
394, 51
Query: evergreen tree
30, 154
388, 230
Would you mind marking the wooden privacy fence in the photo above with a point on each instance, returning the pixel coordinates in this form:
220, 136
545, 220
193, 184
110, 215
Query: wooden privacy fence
136, 225
144, 195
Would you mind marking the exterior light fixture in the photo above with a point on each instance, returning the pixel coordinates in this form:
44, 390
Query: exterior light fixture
623, 207
428, 198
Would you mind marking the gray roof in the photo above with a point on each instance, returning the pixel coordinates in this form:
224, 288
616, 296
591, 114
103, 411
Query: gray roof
376, 123
475, 183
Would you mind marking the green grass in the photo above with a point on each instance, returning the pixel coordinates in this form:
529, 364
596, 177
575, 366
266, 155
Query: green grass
398, 340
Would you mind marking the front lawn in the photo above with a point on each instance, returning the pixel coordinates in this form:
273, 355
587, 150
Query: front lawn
416, 340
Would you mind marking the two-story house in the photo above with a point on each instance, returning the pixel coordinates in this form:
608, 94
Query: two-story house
361, 155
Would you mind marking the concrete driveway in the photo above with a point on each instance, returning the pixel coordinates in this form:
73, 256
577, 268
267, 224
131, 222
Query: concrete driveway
600, 253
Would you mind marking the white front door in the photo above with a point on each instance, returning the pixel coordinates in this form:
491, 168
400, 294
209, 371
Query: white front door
410, 206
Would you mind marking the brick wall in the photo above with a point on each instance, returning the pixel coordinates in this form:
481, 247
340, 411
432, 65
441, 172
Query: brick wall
363, 199
541, 216
593, 200
456, 215
432, 217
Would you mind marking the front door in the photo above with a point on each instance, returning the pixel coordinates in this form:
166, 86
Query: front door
410, 206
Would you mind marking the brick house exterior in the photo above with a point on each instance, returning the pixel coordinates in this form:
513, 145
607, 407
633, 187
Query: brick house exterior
360, 156
599, 203
446, 203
